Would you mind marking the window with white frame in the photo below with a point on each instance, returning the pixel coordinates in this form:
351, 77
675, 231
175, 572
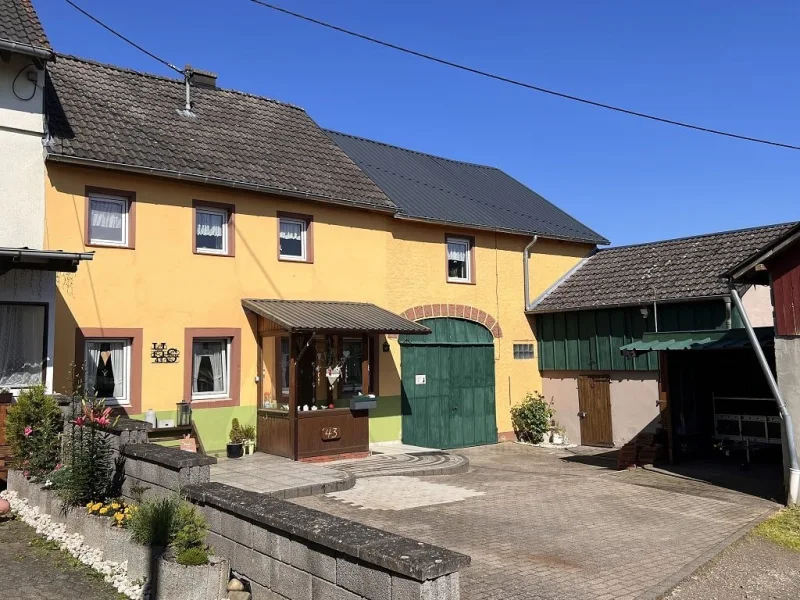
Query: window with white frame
284, 374
211, 235
210, 368
458, 260
108, 369
523, 351
108, 220
292, 239
22, 334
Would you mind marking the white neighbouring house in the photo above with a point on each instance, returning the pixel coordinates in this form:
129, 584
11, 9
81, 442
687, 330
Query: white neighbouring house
27, 273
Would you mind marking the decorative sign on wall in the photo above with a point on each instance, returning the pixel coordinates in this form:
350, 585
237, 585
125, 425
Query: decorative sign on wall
161, 354
420, 379
331, 433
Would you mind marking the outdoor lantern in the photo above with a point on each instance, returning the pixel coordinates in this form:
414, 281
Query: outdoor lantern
184, 416
385, 346
644, 312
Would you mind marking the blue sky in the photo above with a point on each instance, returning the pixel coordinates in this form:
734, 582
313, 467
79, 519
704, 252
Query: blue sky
724, 64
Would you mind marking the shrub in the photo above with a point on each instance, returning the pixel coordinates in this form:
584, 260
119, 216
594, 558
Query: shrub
92, 474
33, 428
171, 522
192, 557
236, 435
531, 418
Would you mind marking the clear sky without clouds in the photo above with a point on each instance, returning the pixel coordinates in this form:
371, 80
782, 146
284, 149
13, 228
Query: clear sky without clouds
728, 65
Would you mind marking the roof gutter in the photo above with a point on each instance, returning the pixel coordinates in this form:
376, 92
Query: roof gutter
493, 229
788, 428
20, 253
27, 49
207, 180
535, 310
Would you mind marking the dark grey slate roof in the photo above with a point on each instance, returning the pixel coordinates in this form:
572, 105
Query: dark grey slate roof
322, 316
133, 120
669, 270
19, 23
439, 189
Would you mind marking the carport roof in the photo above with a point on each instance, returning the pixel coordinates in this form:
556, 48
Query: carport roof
727, 339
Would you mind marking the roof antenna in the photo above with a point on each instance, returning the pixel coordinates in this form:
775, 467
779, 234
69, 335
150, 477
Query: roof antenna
187, 79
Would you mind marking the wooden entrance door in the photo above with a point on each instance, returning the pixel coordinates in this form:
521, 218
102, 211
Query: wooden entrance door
594, 401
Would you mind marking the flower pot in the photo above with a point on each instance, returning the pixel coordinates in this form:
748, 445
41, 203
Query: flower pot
557, 438
235, 450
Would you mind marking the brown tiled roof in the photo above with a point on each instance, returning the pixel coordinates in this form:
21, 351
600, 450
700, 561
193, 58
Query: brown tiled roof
19, 23
670, 270
133, 120
324, 316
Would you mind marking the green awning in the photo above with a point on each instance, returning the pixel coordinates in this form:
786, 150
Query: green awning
726, 339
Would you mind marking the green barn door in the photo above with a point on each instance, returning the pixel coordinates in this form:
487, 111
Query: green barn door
448, 385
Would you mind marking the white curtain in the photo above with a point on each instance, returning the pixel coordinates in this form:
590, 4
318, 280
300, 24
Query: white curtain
218, 368
119, 367
107, 214
209, 224
291, 230
21, 345
457, 251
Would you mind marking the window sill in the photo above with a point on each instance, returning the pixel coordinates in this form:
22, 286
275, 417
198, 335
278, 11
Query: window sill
294, 259
109, 245
212, 253
461, 281
200, 403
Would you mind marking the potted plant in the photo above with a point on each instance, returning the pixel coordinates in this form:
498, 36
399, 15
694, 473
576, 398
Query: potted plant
249, 433
558, 435
235, 447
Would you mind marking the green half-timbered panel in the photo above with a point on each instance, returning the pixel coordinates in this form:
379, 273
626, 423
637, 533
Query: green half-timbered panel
448, 385
589, 340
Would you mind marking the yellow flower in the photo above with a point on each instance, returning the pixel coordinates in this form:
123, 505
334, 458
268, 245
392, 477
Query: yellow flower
89, 505
119, 516
97, 506
115, 505
104, 510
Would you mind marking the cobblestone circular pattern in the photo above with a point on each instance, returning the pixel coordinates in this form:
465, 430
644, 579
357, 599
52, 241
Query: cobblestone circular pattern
415, 464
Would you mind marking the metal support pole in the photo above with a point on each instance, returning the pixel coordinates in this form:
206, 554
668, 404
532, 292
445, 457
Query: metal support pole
794, 468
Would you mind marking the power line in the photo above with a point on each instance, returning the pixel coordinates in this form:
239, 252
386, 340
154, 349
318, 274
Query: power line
124, 39
518, 83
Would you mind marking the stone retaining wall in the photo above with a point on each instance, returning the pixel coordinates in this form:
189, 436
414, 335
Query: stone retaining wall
159, 471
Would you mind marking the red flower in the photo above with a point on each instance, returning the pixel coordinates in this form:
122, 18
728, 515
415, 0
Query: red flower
80, 420
28, 430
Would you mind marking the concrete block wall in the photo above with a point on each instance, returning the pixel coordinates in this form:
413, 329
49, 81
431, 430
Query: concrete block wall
157, 471
288, 551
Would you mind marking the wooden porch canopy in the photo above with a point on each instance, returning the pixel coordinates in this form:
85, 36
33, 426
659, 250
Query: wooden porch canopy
296, 316
286, 430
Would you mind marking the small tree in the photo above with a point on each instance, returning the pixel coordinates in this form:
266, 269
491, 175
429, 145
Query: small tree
33, 429
531, 418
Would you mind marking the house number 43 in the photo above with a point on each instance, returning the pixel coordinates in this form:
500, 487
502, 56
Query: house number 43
330, 433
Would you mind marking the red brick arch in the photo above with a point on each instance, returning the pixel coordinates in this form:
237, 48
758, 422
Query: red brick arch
459, 311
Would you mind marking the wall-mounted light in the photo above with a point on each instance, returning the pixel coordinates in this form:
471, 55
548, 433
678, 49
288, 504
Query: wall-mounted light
644, 311
385, 346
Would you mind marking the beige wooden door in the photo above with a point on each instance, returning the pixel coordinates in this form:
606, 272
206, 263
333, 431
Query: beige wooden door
594, 400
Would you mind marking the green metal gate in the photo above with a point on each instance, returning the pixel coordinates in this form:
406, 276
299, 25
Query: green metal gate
448, 385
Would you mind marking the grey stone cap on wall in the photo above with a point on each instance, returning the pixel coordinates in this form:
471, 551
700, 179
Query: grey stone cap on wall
401, 555
126, 424
168, 457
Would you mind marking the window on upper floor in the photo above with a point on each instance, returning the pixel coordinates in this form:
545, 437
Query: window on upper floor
460, 262
295, 237
109, 220
211, 230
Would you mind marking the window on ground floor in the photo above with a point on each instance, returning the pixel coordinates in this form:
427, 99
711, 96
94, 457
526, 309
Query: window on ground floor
108, 369
210, 368
22, 345
523, 351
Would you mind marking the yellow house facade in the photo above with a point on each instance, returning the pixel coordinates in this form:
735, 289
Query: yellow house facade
157, 317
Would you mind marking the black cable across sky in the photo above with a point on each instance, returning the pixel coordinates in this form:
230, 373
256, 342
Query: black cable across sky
123, 38
522, 84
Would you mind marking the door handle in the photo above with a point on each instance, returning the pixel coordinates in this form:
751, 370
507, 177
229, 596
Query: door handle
582, 414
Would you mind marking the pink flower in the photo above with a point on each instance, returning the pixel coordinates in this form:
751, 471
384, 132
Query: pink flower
102, 421
26, 474
28, 430
59, 466
80, 420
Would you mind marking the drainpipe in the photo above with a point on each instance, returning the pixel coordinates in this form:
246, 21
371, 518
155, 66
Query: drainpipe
526, 275
794, 468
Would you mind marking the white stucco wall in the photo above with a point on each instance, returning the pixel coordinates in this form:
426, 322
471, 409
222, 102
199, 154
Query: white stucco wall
757, 302
21, 155
634, 397
20, 286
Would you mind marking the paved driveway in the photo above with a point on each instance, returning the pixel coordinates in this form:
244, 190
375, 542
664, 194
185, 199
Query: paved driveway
541, 525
